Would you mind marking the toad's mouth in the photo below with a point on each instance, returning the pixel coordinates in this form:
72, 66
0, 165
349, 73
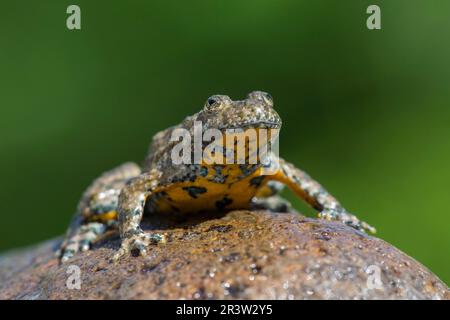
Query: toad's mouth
254, 125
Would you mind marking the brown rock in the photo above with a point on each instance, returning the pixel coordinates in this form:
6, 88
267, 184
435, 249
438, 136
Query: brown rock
241, 255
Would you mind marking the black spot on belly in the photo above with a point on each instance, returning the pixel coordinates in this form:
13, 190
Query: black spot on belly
218, 176
221, 204
203, 171
247, 169
194, 191
256, 181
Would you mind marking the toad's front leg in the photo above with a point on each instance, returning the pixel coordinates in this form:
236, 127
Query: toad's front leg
317, 196
131, 209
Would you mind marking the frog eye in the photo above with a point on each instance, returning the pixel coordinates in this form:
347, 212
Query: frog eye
261, 96
215, 101
211, 101
267, 98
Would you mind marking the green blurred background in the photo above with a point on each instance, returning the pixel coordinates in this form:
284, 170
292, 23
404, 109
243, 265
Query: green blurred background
365, 112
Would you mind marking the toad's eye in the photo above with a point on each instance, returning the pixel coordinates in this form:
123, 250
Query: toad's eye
215, 101
267, 98
211, 101
261, 96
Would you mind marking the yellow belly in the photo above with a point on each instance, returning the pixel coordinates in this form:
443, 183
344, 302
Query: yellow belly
206, 195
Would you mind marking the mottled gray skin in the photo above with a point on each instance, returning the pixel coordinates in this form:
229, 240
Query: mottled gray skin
128, 189
219, 112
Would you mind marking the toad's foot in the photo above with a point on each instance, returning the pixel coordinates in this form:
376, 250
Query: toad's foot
81, 240
346, 218
138, 244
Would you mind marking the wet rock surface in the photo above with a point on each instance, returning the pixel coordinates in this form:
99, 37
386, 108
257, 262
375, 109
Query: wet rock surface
239, 255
